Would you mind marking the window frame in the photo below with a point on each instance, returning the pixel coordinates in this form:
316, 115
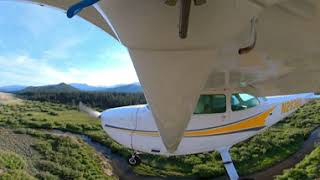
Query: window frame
208, 94
232, 94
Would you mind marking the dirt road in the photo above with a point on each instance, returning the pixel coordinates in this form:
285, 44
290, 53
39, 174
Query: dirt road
7, 98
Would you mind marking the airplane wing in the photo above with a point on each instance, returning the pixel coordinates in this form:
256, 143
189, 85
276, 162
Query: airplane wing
90, 13
179, 50
286, 57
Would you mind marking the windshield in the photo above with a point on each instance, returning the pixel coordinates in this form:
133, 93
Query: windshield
241, 101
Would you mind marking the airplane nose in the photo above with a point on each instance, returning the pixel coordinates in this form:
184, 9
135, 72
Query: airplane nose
121, 118
119, 123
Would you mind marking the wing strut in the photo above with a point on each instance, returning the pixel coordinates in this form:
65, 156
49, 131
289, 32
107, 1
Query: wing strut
228, 164
184, 14
184, 18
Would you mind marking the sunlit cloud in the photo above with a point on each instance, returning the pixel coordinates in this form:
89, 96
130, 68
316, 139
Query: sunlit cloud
62, 49
38, 20
40, 46
28, 71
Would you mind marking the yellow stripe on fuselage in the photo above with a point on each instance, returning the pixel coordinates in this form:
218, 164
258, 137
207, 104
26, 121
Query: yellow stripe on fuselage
257, 121
254, 122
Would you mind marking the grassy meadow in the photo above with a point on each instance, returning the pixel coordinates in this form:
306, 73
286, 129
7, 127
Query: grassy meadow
256, 154
28, 154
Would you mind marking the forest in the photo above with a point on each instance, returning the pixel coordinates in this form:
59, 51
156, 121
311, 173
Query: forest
99, 100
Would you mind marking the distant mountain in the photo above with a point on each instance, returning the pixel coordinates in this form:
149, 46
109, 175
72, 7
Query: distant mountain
13, 88
128, 88
62, 87
86, 87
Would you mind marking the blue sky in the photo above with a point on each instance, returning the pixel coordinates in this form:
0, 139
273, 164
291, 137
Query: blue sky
40, 45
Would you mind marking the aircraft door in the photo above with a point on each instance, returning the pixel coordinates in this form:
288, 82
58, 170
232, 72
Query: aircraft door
210, 111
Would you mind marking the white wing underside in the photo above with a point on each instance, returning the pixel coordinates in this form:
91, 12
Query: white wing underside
173, 71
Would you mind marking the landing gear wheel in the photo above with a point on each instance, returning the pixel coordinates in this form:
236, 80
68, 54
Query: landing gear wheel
134, 160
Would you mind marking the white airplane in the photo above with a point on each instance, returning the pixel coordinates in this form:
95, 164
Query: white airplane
182, 48
221, 119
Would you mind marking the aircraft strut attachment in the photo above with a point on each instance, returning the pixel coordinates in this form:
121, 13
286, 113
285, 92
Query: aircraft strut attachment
251, 46
184, 14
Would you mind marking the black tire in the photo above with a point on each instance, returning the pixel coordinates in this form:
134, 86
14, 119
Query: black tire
132, 161
138, 160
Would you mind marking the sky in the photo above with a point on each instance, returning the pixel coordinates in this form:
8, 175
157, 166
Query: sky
40, 46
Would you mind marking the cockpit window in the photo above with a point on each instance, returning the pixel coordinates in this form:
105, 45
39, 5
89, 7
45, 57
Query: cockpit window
209, 104
241, 101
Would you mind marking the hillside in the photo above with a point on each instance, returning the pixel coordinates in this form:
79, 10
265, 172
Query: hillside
86, 87
72, 87
62, 87
13, 88
129, 88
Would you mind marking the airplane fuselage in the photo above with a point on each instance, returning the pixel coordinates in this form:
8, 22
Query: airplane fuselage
135, 127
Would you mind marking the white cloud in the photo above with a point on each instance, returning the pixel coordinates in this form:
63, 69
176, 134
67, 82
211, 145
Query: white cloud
113, 54
37, 19
103, 77
50, 38
121, 56
28, 71
62, 49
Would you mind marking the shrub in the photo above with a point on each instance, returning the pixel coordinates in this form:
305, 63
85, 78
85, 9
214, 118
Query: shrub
11, 160
68, 158
16, 175
51, 113
192, 160
207, 170
45, 175
58, 170
308, 168
47, 125
74, 127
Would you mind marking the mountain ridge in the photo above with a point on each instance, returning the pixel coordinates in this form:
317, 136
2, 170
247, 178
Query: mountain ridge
86, 87
73, 87
12, 88
61, 87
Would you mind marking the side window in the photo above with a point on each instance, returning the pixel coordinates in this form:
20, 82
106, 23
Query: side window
241, 101
209, 104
